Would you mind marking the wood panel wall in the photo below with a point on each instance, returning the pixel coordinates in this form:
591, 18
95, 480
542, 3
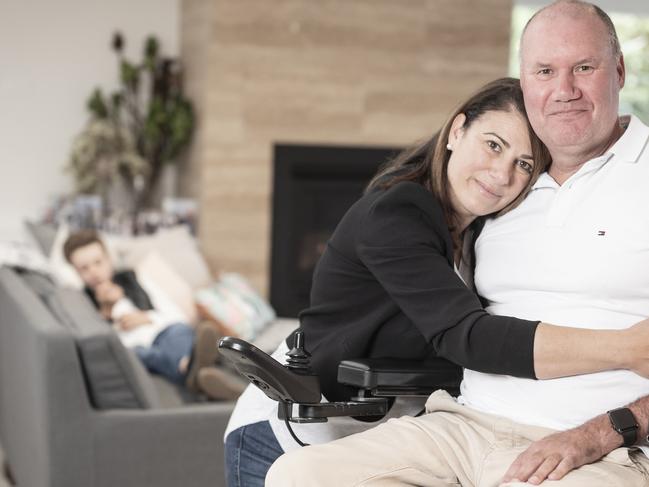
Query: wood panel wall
359, 72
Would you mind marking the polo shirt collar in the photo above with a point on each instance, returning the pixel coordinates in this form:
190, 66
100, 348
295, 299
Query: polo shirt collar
629, 147
544, 181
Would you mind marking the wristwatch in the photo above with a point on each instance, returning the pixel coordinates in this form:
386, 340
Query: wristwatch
624, 423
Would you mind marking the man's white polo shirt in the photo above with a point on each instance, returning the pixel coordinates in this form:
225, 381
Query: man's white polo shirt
573, 255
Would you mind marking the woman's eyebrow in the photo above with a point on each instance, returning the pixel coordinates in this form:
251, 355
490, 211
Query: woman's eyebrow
505, 143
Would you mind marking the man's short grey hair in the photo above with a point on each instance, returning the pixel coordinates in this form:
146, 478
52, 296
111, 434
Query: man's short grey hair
590, 8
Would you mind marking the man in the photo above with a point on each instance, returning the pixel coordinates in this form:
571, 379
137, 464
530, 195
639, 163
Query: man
148, 322
576, 250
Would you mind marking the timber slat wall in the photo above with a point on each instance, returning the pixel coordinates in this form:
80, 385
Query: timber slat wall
366, 72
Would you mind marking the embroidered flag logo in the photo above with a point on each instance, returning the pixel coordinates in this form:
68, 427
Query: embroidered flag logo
601, 233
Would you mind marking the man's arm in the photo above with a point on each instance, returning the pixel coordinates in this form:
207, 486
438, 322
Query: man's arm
555, 455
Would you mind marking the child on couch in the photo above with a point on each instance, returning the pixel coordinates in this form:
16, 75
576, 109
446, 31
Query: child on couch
148, 322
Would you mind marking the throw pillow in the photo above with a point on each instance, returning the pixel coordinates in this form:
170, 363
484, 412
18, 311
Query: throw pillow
175, 245
154, 268
235, 307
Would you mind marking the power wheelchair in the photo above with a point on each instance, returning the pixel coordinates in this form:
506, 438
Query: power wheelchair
297, 389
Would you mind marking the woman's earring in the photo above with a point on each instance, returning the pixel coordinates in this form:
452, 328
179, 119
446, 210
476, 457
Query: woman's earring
449, 147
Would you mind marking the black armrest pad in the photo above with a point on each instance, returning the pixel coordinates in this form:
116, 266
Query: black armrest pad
434, 373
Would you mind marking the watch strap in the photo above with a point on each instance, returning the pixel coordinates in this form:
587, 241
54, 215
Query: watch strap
630, 435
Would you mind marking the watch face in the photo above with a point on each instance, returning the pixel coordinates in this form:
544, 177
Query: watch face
622, 419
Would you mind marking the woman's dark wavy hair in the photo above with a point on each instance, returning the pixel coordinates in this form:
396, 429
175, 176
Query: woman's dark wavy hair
427, 162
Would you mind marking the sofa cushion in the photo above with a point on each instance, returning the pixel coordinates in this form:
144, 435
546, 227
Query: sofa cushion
234, 306
43, 234
176, 245
154, 271
114, 376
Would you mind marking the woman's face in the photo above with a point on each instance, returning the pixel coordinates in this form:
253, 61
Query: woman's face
490, 164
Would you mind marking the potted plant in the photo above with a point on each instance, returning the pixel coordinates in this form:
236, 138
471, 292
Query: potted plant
133, 133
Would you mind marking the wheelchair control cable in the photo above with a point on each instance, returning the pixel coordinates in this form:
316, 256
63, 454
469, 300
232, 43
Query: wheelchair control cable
290, 430
288, 425
298, 360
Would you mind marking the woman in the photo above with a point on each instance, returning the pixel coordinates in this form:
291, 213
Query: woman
388, 283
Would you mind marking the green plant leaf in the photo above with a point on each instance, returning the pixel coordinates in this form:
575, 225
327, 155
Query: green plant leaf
97, 105
129, 75
151, 47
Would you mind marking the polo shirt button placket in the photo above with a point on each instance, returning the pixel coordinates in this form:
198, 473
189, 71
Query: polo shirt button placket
560, 206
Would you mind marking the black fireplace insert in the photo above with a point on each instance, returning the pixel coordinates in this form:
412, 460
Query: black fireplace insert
313, 188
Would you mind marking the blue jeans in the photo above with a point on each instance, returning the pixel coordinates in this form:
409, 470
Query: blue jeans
249, 453
169, 347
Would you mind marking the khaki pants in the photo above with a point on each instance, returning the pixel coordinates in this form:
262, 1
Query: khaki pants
453, 445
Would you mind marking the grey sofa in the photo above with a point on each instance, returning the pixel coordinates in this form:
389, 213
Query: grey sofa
78, 410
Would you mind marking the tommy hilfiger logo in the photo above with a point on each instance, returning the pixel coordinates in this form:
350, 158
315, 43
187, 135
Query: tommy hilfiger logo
601, 233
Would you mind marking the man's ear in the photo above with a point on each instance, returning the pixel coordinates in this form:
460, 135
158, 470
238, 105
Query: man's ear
457, 129
621, 71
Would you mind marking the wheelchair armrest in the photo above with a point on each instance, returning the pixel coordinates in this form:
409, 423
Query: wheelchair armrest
298, 392
397, 377
278, 382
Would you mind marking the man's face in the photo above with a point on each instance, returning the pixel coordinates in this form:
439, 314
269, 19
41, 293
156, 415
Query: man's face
571, 81
93, 264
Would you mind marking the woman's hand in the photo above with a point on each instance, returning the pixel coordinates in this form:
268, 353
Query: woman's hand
108, 293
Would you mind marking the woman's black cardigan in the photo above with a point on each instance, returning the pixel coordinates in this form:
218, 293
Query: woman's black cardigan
385, 286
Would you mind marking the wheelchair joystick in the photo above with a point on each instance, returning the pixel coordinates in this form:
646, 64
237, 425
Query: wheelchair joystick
298, 359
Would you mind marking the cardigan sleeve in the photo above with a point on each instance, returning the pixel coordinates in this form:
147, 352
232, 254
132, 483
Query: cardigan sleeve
404, 242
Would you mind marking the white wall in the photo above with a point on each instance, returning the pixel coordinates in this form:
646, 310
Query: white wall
52, 55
